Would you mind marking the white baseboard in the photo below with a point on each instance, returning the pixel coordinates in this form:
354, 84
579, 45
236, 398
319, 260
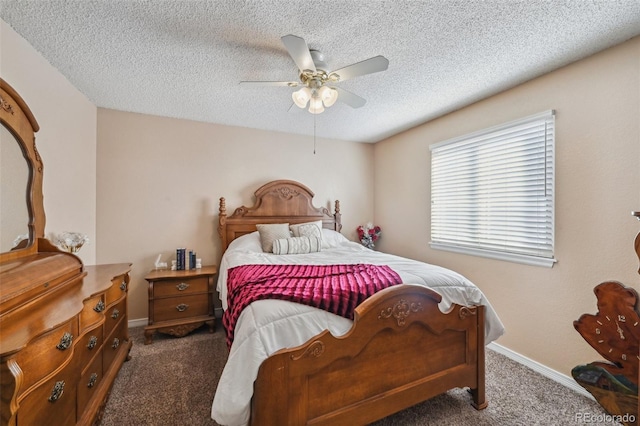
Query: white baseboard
563, 379
140, 322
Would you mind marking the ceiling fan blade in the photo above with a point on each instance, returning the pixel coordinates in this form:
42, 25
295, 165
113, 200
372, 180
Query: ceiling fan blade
354, 101
299, 52
368, 66
270, 83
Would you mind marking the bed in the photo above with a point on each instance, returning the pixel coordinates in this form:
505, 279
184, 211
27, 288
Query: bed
293, 364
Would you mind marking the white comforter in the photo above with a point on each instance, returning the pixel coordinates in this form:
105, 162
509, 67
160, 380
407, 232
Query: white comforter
266, 326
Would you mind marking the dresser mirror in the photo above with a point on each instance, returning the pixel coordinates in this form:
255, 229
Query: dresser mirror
14, 175
22, 216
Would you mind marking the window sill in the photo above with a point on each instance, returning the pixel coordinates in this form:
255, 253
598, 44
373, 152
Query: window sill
509, 257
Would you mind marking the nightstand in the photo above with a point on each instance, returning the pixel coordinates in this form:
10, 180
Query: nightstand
180, 301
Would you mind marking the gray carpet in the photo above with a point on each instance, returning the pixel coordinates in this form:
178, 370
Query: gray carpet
173, 380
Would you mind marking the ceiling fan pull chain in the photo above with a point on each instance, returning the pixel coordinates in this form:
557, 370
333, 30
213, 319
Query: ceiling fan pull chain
314, 134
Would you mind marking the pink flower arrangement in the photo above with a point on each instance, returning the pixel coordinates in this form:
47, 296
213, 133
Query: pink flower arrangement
369, 234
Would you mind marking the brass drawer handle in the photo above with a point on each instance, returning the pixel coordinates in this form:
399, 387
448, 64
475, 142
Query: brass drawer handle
65, 341
92, 380
115, 314
56, 393
116, 343
99, 306
123, 286
182, 286
93, 341
182, 307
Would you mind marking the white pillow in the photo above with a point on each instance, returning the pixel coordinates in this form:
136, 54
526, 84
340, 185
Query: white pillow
331, 238
247, 242
297, 245
271, 232
307, 229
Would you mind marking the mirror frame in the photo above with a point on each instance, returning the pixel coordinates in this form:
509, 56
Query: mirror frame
16, 116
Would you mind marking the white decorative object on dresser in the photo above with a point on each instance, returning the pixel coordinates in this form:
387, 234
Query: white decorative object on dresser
64, 325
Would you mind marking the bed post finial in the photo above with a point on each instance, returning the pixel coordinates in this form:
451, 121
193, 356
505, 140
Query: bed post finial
222, 221
337, 216
223, 206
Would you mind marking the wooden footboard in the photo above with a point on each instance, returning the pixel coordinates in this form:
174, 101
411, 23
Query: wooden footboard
401, 350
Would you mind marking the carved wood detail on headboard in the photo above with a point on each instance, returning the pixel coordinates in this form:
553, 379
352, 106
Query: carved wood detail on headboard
279, 201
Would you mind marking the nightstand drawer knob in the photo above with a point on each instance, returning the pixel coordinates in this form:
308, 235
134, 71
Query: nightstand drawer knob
182, 286
99, 306
116, 343
65, 341
182, 307
115, 314
123, 286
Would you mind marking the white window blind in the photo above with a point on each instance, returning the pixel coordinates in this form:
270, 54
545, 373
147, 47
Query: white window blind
492, 192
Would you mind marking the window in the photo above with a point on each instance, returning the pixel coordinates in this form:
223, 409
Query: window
492, 192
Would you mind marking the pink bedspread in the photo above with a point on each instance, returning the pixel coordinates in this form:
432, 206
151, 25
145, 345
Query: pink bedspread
334, 288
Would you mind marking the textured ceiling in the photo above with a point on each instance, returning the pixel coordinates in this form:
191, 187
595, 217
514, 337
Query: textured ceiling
185, 58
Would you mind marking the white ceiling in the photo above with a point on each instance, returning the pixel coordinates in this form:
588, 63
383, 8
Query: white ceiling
185, 58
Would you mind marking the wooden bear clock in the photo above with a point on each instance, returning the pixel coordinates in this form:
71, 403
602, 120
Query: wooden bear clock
615, 333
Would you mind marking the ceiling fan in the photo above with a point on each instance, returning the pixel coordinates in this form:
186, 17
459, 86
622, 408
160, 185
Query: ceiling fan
318, 83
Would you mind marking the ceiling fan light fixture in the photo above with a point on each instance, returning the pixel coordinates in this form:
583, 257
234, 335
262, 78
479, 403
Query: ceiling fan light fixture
301, 97
315, 106
318, 89
329, 95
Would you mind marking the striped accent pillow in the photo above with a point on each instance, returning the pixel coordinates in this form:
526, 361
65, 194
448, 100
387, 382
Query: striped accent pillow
297, 245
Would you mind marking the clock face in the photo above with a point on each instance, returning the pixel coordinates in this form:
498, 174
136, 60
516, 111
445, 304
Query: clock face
615, 330
615, 337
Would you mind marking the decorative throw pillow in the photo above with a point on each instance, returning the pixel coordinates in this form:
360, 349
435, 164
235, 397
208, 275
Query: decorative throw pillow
271, 232
331, 238
297, 245
307, 229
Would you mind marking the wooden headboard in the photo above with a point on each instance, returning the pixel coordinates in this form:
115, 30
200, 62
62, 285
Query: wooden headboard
279, 201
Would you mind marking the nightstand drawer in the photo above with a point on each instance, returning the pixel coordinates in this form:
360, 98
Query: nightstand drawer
180, 307
178, 287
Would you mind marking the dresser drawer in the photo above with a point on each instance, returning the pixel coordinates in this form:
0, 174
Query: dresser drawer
180, 307
89, 381
114, 314
42, 356
92, 312
118, 288
89, 346
113, 343
179, 287
53, 402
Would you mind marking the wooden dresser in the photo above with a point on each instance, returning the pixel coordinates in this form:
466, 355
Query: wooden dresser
63, 325
61, 354
180, 301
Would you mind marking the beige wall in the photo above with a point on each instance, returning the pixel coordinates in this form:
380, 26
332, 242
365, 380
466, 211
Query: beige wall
66, 140
160, 179
597, 102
